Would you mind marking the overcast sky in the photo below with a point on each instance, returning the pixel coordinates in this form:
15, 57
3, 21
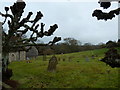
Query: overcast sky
75, 20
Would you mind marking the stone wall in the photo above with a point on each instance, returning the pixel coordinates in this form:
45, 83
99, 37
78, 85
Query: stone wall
17, 56
22, 55
12, 56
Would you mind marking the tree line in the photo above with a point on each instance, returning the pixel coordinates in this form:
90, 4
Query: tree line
70, 45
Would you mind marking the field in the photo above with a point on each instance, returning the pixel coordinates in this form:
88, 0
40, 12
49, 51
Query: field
77, 73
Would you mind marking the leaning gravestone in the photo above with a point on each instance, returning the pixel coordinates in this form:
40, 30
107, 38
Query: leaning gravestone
52, 64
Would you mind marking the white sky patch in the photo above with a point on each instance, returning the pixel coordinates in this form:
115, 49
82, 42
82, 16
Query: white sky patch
74, 19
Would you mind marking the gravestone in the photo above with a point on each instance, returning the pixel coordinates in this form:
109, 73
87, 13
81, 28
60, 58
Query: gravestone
92, 56
52, 64
87, 59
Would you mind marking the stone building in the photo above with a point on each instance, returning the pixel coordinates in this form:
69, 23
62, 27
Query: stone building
32, 53
17, 56
20, 54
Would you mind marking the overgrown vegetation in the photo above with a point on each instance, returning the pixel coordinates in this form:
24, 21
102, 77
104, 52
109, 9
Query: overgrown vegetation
77, 73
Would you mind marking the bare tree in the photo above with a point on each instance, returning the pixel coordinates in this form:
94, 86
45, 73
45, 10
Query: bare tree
18, 27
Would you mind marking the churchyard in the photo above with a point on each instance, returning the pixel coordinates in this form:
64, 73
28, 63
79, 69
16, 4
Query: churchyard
74, 70
83, 69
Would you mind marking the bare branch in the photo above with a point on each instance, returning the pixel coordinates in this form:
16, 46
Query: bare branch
56, 39
6, 15
51, 30
102, 15
25, 20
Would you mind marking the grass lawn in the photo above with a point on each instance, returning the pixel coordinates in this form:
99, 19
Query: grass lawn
77, 73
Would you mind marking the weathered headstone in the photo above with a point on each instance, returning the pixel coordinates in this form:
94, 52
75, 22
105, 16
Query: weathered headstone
87, 59
52, 64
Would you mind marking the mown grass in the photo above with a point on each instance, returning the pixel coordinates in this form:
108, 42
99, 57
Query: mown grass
78, 73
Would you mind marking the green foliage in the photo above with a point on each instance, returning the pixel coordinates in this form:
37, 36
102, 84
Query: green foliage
73, 74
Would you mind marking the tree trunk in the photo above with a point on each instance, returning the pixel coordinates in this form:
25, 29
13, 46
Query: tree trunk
6, 73
5, 60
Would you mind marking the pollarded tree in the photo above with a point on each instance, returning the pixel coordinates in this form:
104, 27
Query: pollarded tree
106, 15
18, 27
111, 56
